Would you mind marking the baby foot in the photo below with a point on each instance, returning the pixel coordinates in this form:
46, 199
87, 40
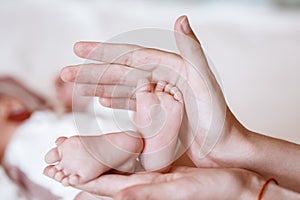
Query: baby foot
159, 112
80, 159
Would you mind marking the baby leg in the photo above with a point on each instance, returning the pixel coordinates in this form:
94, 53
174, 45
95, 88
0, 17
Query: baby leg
158, 119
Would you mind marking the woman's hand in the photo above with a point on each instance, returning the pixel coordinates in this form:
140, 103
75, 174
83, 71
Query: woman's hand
179, 183
210, 132
207, 116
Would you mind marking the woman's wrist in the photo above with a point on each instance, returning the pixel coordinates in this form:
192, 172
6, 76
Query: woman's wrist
270, 157
235, 148
254, 186
273, 191
251, 185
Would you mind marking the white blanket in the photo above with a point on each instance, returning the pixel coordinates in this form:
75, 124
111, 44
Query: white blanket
29, 145
25, 154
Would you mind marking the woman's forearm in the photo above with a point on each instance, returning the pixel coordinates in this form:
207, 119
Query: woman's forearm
275, 158
275, 192
270, 157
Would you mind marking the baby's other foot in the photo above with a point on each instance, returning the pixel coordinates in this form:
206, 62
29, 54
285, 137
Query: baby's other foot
158, 118
80, 159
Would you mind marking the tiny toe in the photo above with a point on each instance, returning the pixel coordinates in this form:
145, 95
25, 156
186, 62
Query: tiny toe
52, 156
59, 167
176, 94
160, 86
65, 181
60, 140
174, 90
59, 176
178, 97
168, 88
66, 173
74, 179
50, 171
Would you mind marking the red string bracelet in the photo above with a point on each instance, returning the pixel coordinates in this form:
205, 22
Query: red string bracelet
265, 186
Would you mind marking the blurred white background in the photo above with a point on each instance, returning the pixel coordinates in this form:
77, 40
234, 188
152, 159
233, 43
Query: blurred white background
254, 45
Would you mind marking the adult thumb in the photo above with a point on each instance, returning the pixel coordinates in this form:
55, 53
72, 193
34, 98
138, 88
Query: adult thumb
187, 42
182, 25
192, 52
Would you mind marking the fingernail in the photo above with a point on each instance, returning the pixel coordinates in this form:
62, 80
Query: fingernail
68, 74
77, 47
185, 26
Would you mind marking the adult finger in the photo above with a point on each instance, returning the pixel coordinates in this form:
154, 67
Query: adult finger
106, 185
192, 52
104, 74
88, 196
106, 91
115, 74
187, 42
180, 183
182, 25
164, 190
110, 184
125, 54
118, 103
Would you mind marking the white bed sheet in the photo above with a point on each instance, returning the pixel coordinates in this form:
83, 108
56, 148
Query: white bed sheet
8, 190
